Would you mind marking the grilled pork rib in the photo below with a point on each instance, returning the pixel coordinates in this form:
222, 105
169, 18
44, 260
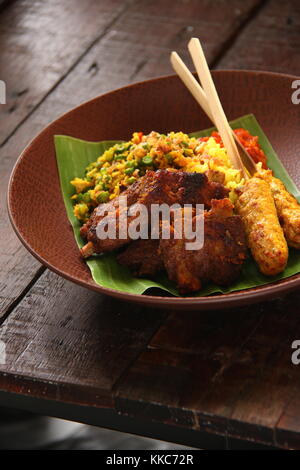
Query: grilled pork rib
219, 260
156, 187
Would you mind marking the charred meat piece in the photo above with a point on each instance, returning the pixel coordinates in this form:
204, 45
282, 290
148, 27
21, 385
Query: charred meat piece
142, 257
219, 260
156, 187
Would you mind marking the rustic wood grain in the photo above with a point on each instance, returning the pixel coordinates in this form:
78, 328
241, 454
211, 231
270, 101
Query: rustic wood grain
40, 42
270, 41
223, 372
113, 61
148, 32
287, 432
76, 342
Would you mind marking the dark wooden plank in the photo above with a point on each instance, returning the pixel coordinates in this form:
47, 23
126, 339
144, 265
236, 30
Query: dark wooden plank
135, 42
184, 359
287, 433
109, 418
163, 26
40, 42
223, 372
113, 61
67, 344
31, 68
270, 42
64, 342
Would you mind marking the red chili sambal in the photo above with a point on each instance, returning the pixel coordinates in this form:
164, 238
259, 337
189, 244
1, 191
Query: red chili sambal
249, 142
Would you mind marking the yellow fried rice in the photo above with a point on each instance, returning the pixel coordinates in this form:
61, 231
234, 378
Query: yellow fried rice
121, 165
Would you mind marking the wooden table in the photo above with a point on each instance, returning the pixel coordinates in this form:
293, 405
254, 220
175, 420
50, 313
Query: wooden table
211, 380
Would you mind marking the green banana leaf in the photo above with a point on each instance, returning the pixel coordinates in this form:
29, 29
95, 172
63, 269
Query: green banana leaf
73, 155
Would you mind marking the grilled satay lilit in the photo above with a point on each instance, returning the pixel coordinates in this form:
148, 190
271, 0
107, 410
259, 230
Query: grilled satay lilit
156, 187
265, 236
287, 206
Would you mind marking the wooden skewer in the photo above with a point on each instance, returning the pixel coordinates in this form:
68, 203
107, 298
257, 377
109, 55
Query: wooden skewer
191, 83
216, 109
245, 156
198, 93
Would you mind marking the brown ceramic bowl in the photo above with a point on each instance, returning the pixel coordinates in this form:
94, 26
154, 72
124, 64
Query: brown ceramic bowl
162, 104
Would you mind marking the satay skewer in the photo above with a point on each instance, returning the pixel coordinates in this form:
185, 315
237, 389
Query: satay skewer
199, 94
216, 109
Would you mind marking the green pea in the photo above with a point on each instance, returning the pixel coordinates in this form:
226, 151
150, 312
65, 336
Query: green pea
121, 148
129, 171
147, 160
82, 209
79, 197
99, 187
86, 197
131, 180
130, 164
103, 197
120, 157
